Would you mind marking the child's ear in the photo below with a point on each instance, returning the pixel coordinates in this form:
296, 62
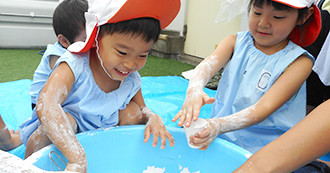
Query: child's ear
63, 40
306, 16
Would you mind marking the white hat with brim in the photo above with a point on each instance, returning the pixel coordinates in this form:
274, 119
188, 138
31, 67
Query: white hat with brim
297, 3
101, 12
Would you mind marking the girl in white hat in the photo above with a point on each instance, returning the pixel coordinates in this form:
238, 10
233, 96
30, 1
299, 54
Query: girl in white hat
96, 84
262, 91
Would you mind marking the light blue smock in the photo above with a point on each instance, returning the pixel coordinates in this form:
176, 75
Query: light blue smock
43, 70
248, 76
87, 103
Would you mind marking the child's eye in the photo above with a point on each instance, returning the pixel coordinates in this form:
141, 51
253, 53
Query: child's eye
278, 17
144, 56
256, 13
121, 53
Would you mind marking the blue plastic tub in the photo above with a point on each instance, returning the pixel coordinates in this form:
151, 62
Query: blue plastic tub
121, 149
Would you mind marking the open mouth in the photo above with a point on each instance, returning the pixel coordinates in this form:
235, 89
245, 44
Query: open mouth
121, 72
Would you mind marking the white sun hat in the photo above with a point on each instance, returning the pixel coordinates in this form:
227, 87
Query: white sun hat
297, 3
101, 12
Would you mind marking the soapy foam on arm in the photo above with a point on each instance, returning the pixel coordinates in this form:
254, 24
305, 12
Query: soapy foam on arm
58, 127
202, 73
148, 112
236, 121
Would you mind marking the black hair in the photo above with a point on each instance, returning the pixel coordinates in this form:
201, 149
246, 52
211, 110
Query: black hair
278, 6
69, 18
148, 28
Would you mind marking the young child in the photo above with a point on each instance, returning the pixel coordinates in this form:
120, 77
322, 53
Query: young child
96, 84
262, 91
69, 27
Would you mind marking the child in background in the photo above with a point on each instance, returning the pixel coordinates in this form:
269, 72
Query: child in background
318, 89
262, 91
69, 27
96, 84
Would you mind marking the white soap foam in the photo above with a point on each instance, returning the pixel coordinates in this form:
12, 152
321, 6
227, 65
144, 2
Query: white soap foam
153, 169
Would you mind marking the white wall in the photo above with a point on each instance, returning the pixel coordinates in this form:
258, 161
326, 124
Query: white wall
203, 34
26, 24
180, 19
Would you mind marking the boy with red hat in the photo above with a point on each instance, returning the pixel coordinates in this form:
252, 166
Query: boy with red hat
96, 84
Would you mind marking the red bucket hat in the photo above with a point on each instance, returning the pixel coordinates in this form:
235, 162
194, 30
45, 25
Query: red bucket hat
101, 12
306, 34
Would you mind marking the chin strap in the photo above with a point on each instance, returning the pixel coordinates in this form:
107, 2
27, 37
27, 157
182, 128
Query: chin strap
99, 57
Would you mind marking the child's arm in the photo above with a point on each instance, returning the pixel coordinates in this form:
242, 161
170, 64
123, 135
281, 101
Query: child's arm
306, 141
154, 123
55, 121
195, 96
281, 91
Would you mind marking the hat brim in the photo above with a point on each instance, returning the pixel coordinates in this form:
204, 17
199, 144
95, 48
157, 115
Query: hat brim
163, 10
294, 4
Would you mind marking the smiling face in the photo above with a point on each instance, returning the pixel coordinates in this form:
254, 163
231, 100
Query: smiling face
123, 54
270, 27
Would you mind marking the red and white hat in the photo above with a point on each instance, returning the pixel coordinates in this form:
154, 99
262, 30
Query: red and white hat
101, 12
306, 34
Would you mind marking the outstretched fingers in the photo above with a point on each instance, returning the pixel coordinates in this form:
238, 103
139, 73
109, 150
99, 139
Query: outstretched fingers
196, 111
185, 116
191, 107
147, 133
163, 134
170, 138
155, 139
180, 115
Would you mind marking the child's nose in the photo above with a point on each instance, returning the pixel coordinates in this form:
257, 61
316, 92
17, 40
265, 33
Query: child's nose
131, 65
264, 22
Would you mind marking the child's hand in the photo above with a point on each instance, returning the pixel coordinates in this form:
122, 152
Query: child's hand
190, 110
206, 137
156, 126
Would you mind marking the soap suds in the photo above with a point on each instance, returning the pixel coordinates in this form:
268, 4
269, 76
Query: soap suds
237, 120
153, 169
